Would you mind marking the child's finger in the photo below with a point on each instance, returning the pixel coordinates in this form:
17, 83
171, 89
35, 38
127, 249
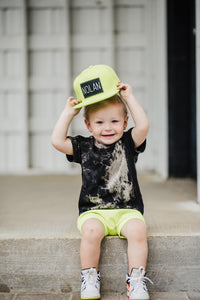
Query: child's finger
73, 101
121, 85
70, 99
76, 101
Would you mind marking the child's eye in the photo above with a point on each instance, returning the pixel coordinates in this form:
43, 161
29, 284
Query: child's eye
115, 121
99, 122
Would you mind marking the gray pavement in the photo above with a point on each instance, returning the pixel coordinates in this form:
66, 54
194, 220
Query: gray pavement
46, 206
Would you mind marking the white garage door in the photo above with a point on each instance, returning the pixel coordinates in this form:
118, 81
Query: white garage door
45, 44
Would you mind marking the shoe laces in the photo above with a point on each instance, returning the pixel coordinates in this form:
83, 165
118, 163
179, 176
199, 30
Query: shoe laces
138, 281
90, 277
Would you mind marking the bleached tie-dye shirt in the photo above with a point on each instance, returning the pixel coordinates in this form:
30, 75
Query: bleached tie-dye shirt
109, 178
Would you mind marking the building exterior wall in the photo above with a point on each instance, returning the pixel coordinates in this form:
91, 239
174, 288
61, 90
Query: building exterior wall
45, 44
198, 93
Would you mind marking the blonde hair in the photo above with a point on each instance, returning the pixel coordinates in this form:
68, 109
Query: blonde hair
99, 105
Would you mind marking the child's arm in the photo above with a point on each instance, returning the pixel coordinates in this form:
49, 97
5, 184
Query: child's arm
139, 132
59, 136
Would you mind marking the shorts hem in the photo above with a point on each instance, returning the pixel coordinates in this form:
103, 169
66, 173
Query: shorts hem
113, 220
87, 216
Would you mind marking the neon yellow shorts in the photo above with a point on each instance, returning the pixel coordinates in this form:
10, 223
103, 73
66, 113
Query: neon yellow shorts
113, 220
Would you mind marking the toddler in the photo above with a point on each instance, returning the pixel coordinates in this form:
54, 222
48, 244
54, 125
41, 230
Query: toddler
110, 201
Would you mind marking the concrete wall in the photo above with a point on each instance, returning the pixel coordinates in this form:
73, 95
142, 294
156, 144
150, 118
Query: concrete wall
45, 44
198, 92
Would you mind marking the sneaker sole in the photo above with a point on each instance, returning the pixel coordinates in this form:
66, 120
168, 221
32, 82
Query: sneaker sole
91, 298
134, 298
137, 298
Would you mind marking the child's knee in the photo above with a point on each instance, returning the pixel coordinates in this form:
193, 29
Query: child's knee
135, 229
93, 230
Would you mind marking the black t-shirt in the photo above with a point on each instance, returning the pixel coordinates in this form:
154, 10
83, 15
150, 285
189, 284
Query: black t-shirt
109, 178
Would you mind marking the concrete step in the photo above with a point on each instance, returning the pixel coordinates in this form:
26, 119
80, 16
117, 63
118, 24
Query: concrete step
109, 296
52, 265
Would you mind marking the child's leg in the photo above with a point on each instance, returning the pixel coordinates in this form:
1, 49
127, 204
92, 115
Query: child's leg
135, 232
92, 234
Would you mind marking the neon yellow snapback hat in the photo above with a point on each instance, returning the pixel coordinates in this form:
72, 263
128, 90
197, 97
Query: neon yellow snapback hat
94, 84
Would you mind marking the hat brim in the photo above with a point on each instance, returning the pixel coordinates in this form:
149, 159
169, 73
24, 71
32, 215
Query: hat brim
93, 101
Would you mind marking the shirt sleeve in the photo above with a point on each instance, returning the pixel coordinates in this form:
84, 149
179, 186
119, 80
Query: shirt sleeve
76, 144
135, 150
141, 148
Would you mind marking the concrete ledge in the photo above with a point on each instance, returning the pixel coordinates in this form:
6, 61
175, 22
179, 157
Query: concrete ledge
110, 296
53, 265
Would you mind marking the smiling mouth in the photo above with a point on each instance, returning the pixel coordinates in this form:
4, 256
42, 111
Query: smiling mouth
108, 135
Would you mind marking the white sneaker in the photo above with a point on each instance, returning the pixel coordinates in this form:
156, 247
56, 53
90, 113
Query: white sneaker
90, 288
136, 286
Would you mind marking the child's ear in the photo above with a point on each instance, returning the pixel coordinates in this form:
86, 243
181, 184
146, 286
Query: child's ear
87, 123
125, 122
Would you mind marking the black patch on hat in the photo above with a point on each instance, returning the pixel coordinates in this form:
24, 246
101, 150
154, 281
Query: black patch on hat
91, 87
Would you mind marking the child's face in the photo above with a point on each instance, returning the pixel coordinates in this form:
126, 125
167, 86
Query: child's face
107, 124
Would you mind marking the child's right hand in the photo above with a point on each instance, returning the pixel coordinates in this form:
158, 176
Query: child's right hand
125, 90
59, 137
71, 102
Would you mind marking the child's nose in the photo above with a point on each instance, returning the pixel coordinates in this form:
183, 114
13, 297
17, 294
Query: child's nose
108, 126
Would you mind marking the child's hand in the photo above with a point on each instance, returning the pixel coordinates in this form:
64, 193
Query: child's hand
71, 102
125, 90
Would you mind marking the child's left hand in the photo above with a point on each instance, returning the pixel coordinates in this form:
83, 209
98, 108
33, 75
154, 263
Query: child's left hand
125, 90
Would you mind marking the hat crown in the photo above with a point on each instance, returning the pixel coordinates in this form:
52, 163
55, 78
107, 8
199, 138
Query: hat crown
94, 84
